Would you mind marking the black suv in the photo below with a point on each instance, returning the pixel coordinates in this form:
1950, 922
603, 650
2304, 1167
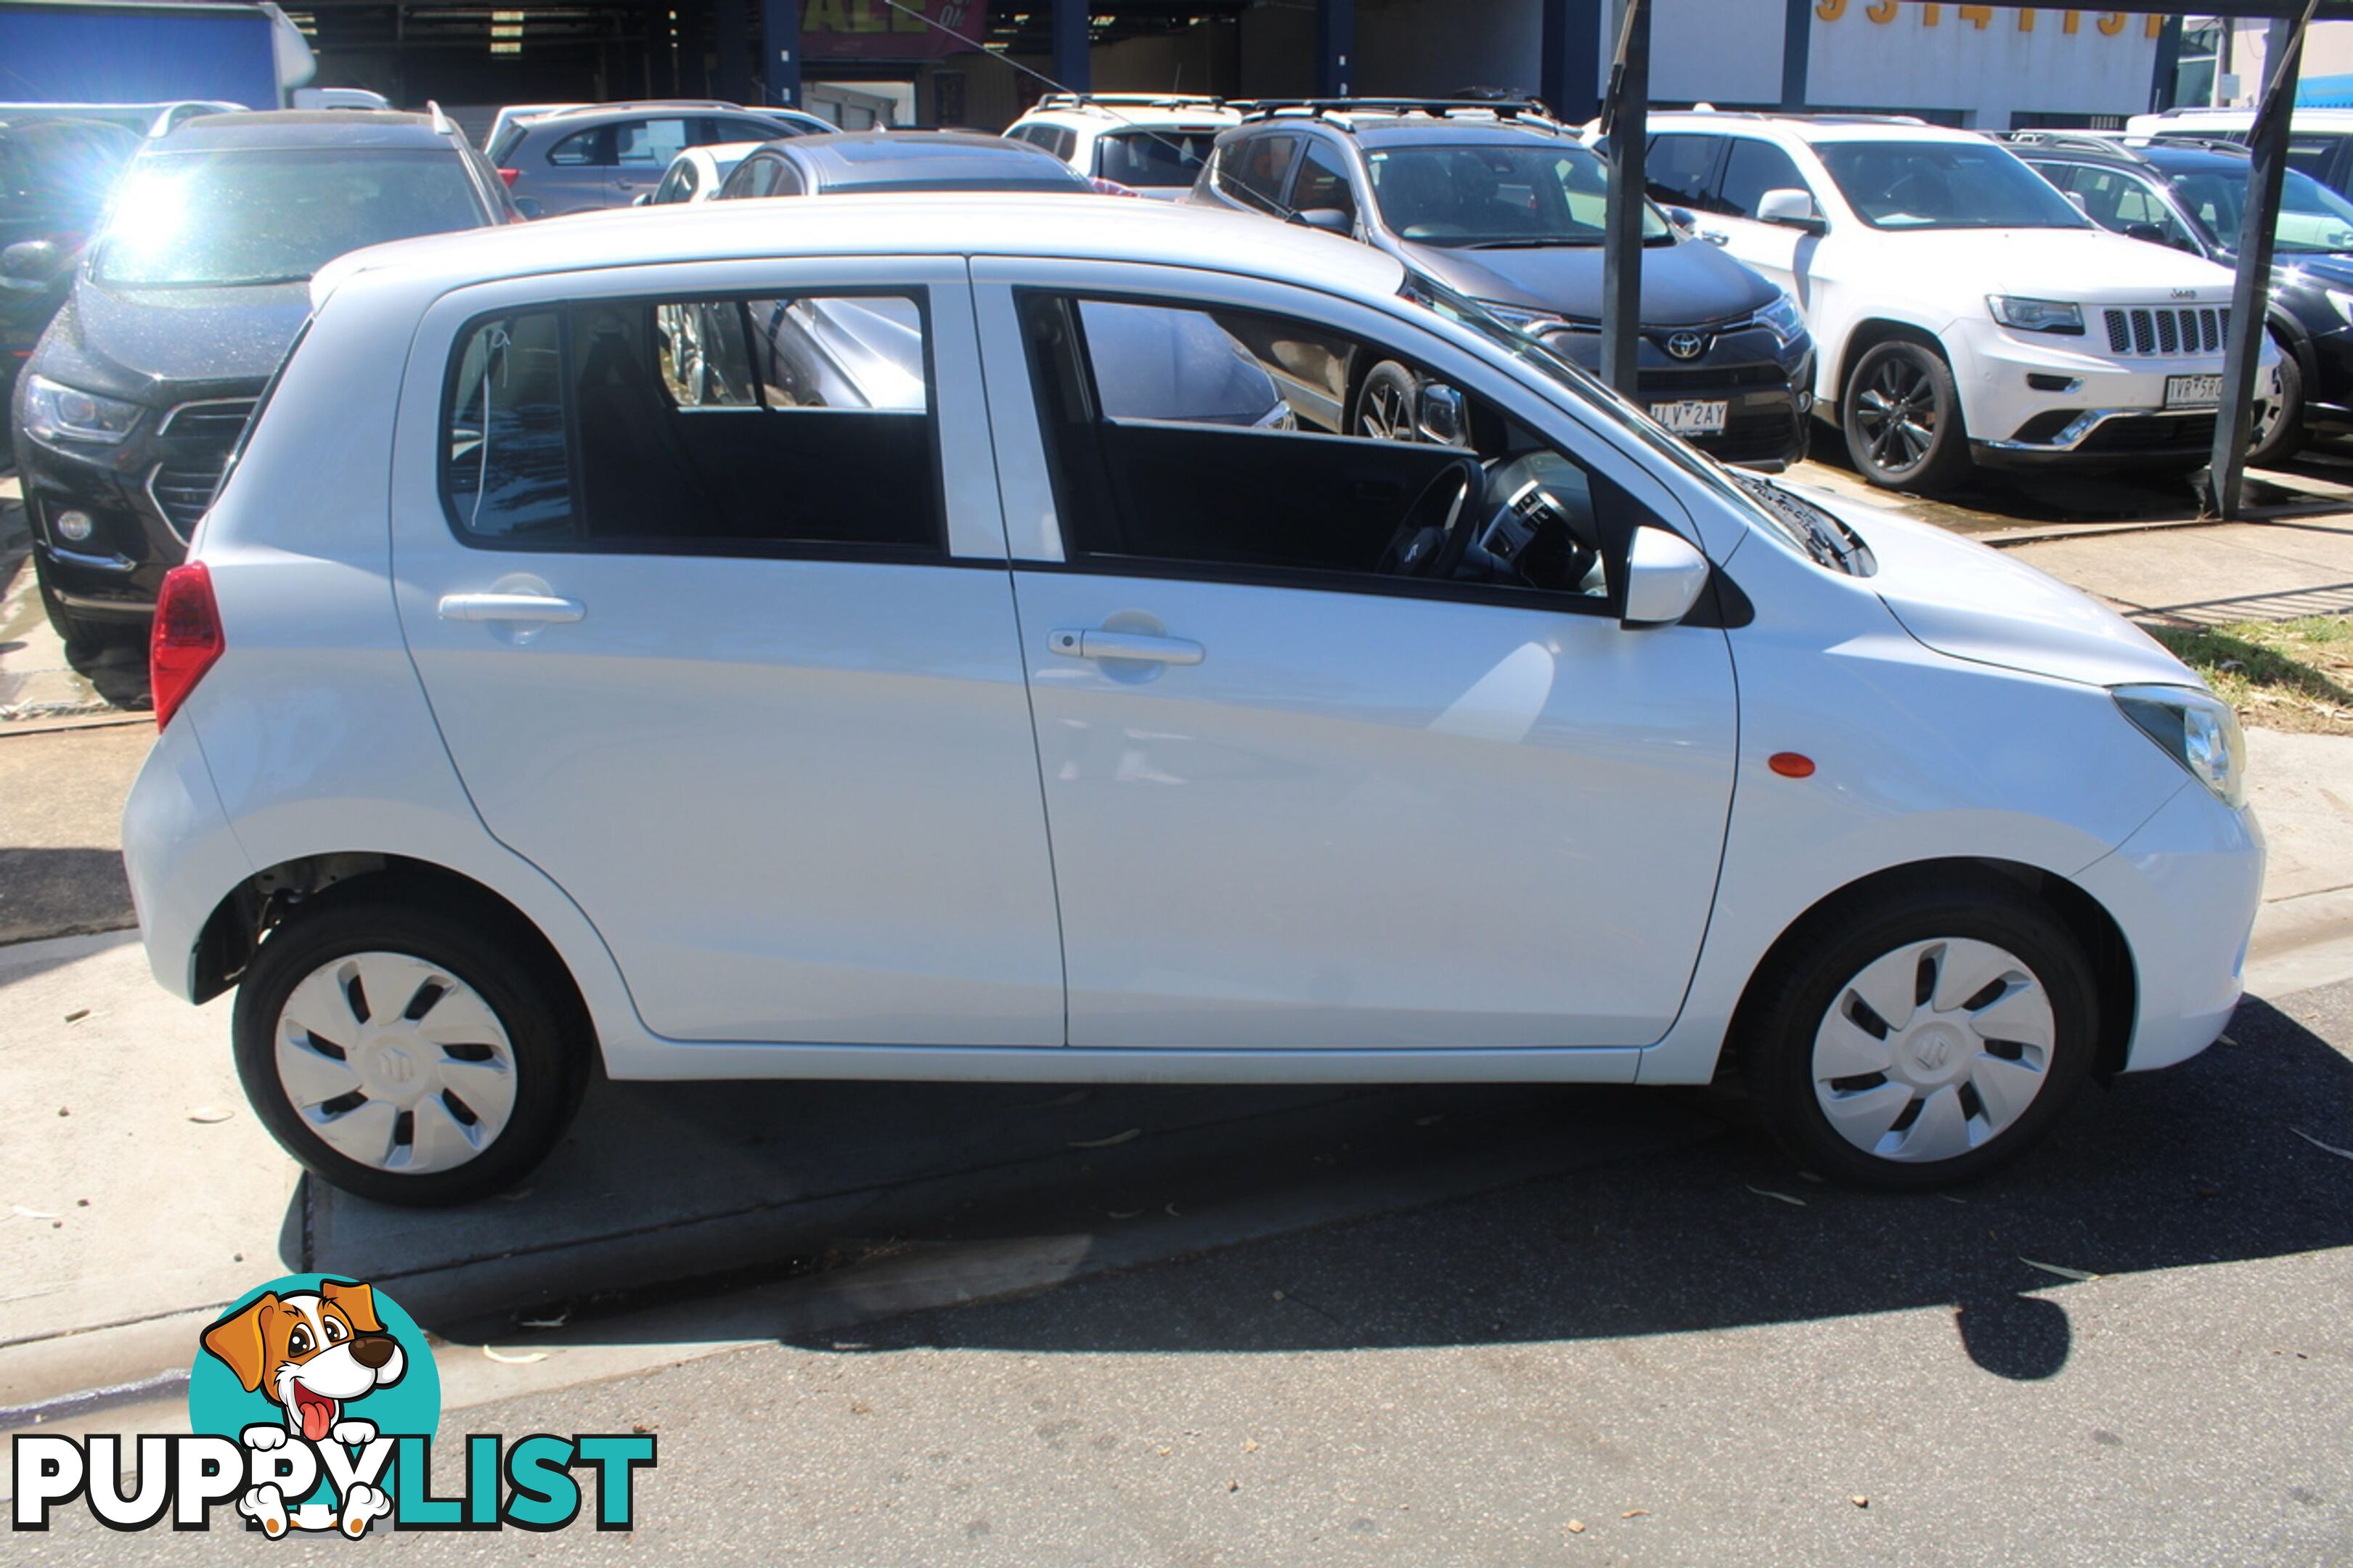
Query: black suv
2192, 195
1497, 201
124, 416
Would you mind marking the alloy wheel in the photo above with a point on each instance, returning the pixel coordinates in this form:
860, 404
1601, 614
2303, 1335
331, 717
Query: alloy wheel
1933, 1049
1387, 414
396, 1063
1897, 412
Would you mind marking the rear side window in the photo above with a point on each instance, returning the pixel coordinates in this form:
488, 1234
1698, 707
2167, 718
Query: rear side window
643, 143
798, 424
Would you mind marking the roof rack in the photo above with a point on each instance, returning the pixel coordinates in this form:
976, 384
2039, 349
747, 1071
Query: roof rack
441, 122
2117, 143
1131, 100
1511, 109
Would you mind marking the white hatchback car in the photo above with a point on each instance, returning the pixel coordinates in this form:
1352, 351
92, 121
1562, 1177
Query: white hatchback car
1056, 722
1963, 310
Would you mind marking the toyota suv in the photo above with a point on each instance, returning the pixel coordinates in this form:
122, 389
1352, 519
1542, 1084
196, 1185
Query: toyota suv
1965, 312
517, 715
1504, 204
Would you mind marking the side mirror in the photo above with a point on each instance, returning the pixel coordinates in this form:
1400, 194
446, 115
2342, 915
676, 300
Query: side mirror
1665, 575
642, 199
1442, 417
2148, 233
1330, 220
1790, 208
31, 260
1682, 218
530, 206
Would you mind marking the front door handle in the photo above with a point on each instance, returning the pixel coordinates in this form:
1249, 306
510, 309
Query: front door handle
541, 609
1080, 642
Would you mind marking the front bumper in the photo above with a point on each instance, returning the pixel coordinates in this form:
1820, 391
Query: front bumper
1766, 386
2035, 398
2184, 890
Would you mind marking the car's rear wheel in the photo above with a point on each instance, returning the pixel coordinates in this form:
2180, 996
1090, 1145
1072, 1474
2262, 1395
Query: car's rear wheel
1923, 1037
408, 1056
2279, 433
1903, 418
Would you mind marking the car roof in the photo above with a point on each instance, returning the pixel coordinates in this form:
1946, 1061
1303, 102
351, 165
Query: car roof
1816, 128
846, 160
305, 127
947, 223
2172, 120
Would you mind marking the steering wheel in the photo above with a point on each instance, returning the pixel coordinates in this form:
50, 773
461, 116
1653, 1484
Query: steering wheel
1427, 544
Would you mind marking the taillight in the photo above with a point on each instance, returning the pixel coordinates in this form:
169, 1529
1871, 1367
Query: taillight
187, 639
508, 176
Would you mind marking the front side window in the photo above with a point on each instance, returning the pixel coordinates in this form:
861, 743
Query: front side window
1165, 160
222, 219
1752, 169
1251, 170
1944, 184
1186, 442
1497, 194
1322, 182
794, 425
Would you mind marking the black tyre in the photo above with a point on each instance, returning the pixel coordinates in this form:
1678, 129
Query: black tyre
2279, 432
1903, 418
83, 636
1924, 1037
406, 1055
1387, 404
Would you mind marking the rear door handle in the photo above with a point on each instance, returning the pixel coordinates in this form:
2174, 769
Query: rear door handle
1078, 642
544, 608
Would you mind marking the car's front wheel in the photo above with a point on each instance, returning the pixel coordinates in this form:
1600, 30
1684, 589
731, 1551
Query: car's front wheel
1903, 418
408, 1056
1922, 1038
2279, 433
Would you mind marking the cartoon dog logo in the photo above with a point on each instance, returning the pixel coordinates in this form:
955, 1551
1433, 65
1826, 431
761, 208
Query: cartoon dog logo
312, 1354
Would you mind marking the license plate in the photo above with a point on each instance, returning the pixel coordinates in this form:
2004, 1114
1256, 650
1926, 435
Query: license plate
1696, 416
2193, 391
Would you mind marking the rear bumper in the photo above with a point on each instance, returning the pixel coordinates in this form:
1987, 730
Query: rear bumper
181, 853
2184, 890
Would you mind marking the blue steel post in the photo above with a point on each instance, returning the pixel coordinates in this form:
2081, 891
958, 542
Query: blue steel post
1070, 45
1571, 71
732, 24
780, 45
1797, 52
1335, 47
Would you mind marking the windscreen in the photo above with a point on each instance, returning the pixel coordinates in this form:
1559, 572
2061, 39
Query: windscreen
1944, 184
1493, 195
225, 218
2313, 219
1149, 159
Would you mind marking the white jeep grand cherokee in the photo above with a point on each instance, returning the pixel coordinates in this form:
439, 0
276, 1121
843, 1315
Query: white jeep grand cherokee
1046, 713
1963, 310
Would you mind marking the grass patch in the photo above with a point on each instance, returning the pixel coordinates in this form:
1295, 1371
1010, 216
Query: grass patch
2284, 675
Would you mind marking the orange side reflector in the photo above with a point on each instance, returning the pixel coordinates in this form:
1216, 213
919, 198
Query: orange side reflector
1791, 765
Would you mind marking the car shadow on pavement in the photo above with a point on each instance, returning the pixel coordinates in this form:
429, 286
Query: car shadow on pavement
1381, 1218
62, 892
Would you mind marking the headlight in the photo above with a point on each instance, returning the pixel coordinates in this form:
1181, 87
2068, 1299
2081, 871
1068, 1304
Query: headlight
1783, 316
2036, 315
1535, 323
54, 411
2195, 728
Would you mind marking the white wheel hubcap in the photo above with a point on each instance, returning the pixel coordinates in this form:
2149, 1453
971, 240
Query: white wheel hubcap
396, 1063
1933, 1049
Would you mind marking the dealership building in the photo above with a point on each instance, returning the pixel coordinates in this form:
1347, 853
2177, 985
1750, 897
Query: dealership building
978, 62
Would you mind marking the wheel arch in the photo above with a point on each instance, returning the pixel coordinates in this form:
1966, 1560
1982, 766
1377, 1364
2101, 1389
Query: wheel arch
2091, 924
241, 923
1868, 334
